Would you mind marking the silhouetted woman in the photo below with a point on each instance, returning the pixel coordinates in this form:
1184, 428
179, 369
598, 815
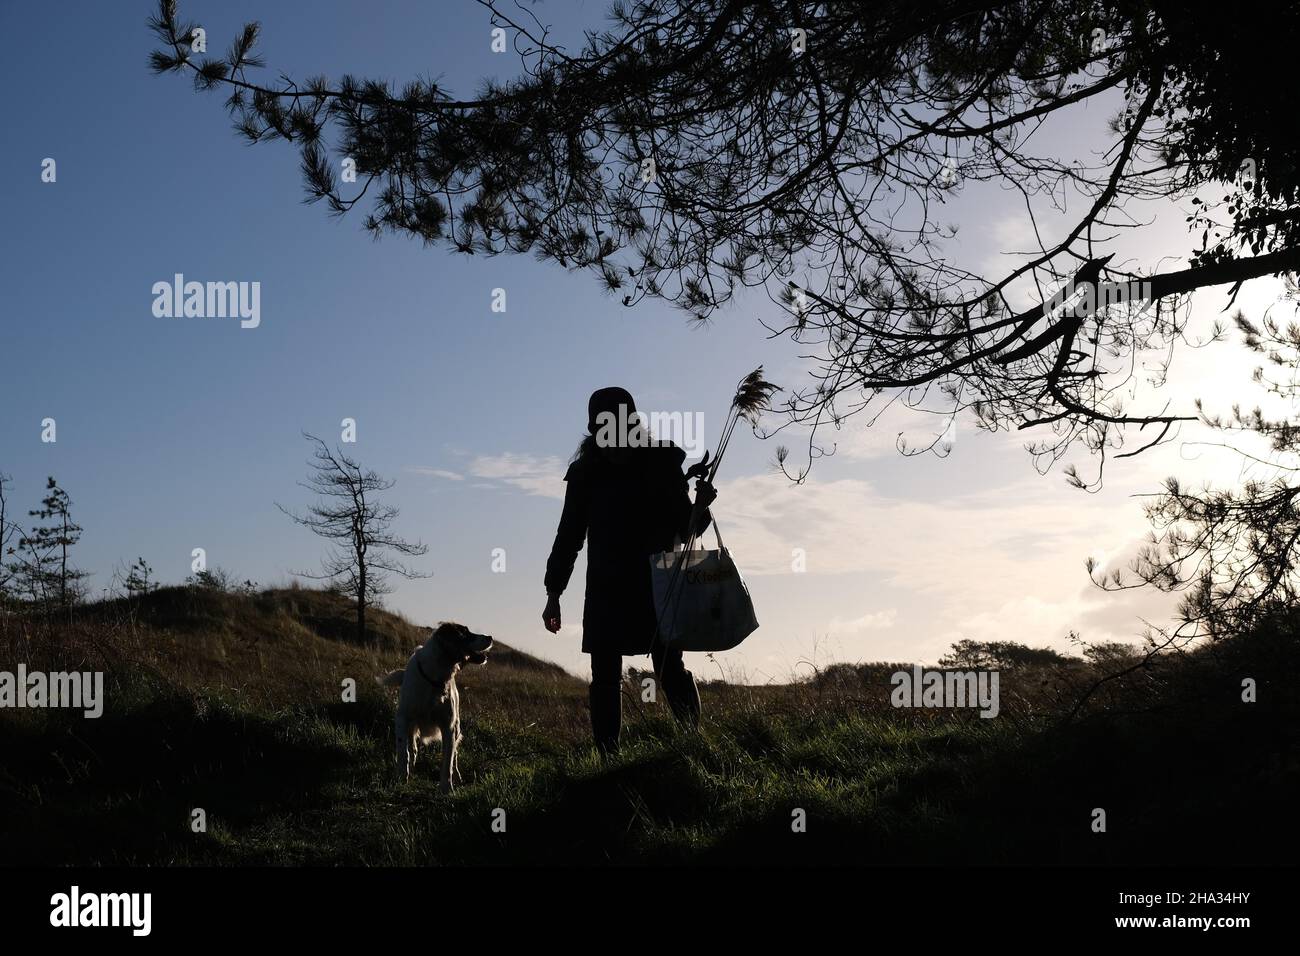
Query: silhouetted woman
627, 497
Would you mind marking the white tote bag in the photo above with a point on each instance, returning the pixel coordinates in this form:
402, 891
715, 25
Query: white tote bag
701, 599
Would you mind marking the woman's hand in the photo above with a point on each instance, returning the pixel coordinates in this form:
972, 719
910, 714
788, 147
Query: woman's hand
700, 468
551, 615
705, 495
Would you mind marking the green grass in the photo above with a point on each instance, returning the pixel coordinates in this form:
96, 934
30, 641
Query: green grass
288, 774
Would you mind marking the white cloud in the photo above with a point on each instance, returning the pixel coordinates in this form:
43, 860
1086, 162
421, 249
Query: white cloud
1008, 239
914, 430
1004, 563
529, 473
443, 473
872, 620
844, 526
859, 441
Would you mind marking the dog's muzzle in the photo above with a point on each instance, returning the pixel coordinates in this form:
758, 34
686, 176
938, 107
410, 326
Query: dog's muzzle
479, 655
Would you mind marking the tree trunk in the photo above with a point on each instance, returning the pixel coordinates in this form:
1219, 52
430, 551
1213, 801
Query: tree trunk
63, 565
361, 605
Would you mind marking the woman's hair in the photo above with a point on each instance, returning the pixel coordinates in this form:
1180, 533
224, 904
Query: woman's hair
604, 404
586, 448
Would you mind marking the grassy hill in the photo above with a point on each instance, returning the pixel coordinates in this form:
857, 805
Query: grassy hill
232, 703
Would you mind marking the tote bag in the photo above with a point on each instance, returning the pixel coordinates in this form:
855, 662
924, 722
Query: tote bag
701, 600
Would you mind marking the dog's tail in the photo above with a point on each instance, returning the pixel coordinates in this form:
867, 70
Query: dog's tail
392, 679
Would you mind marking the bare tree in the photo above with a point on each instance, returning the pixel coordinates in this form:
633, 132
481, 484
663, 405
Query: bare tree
810, 149
366, 550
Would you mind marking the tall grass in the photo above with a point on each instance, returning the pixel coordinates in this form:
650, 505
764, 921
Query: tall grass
232, 704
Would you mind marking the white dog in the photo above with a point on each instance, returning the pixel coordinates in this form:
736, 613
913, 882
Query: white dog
428, 707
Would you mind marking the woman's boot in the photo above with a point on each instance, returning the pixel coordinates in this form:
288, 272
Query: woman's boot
606, 717
684, 698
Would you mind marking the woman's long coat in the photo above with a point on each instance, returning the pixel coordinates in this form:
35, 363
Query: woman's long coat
626, 513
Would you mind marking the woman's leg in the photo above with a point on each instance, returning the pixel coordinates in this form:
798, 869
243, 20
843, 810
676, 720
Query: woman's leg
606, 700
678, 684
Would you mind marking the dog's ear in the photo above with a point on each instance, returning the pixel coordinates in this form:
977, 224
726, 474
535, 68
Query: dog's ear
450, 639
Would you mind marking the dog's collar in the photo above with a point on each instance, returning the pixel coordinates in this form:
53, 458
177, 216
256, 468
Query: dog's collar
420, 668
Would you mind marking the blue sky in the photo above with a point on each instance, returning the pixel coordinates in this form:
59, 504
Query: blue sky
178, 433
